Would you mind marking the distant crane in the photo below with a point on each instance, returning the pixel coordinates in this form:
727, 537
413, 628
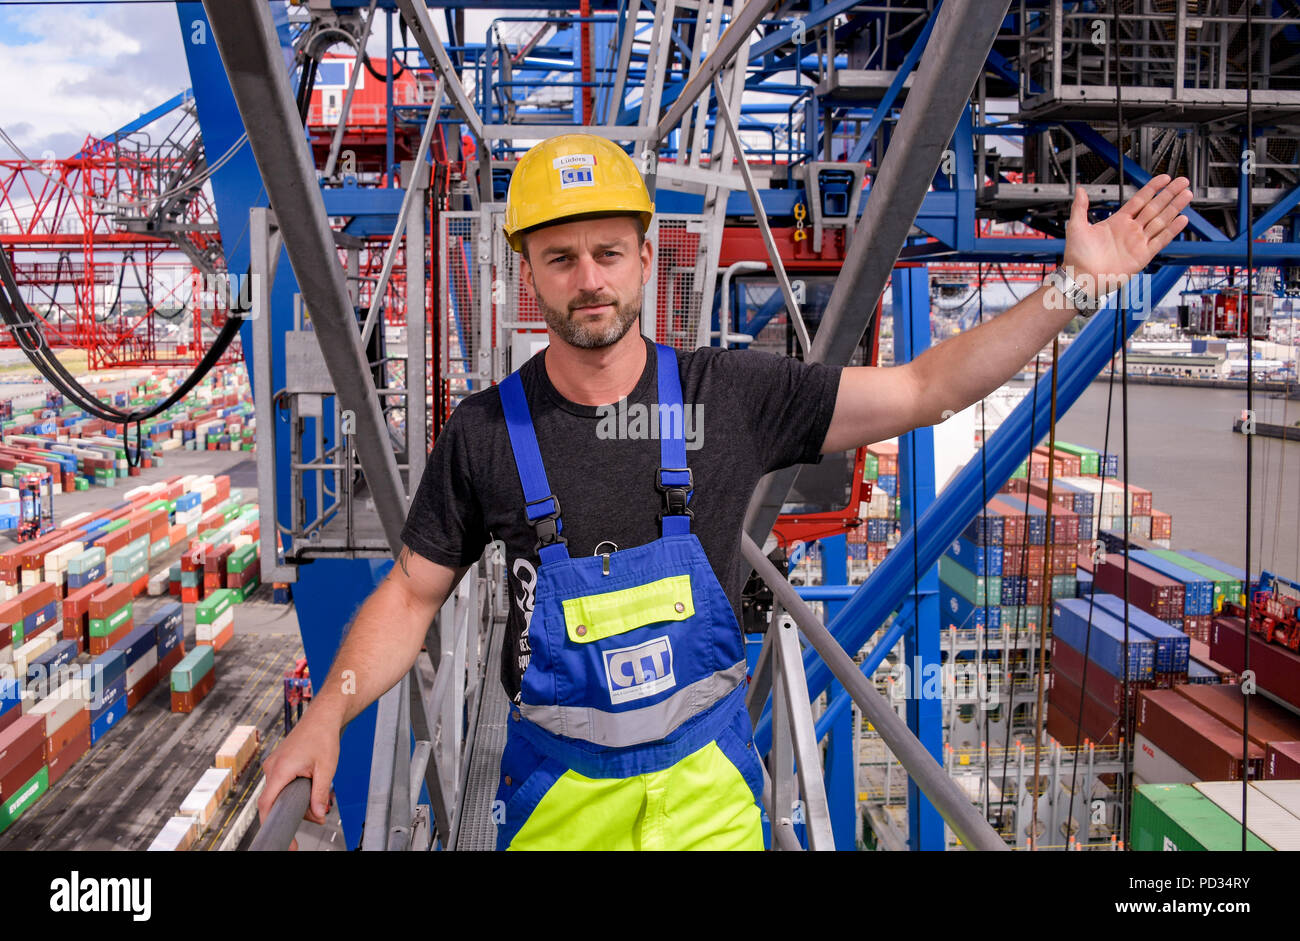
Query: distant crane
36, 506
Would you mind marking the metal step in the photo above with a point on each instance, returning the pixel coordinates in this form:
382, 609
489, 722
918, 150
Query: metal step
477, 829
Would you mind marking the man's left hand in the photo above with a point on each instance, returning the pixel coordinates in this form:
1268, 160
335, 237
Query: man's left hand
1119, 246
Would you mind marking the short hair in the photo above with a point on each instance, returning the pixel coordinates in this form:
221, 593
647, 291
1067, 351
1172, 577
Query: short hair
635, 217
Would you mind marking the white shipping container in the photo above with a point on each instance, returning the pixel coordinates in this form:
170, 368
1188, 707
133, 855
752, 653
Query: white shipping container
1286, 794
178, 833
63, 704
1155, 766
136, 671
31, 650
1264, 817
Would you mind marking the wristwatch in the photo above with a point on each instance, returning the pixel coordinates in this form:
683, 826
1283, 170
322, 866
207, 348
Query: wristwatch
1075, 295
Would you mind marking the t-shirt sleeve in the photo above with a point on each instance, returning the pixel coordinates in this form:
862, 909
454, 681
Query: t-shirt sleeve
788, 401
445, 521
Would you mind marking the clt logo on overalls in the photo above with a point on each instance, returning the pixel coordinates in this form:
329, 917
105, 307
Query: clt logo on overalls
640, 671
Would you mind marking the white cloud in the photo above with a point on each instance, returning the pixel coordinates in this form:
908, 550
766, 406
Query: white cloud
85, 70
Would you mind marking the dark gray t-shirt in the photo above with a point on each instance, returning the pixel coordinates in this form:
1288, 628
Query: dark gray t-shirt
746, 413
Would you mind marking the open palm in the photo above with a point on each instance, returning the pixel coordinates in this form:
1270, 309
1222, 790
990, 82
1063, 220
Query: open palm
1119, 246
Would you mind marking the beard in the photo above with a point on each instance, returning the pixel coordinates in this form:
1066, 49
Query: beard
591, 337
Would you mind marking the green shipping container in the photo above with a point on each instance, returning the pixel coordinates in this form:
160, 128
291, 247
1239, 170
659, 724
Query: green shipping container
23, 798
241, 558
243, 593
193, 667
1089, 461
213, 606
1064, 586
102, 627
1179, 817
871, 467
966, 583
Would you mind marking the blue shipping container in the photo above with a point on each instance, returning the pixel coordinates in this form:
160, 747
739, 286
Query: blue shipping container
1104, 645
972, 556
1173, 648
956, 611
106, 720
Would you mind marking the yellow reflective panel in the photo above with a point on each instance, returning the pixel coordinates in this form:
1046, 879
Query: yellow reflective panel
700, 803
593, 617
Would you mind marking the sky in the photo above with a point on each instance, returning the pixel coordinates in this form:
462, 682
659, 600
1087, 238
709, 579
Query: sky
74, 69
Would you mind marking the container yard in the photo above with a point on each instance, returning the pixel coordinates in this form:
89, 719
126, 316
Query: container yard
963, 335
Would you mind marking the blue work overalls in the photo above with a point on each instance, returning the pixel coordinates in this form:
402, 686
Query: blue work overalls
631, 729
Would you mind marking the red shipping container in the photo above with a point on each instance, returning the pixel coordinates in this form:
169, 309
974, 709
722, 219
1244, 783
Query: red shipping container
1101, 723
26, 733
185, 702
1268, 721
1277, 669
1106, 689
1200, 652
1141, 499
1162, 525
98, 645
1194, 738
109, 600
1197, 628
1282, 761
170, 659
1156, 594
67, 732
74, 751
143, 687
21, 772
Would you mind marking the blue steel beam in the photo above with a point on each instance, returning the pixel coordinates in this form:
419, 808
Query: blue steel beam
145, 119
891, 93
328, 591
911, 311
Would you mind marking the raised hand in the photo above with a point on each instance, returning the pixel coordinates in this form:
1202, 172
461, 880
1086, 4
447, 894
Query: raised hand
1114, 249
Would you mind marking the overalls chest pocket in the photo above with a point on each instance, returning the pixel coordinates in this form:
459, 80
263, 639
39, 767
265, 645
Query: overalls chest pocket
591, 618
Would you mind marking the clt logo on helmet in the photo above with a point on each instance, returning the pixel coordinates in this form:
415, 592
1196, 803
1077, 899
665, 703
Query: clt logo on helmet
640, 671
577, 176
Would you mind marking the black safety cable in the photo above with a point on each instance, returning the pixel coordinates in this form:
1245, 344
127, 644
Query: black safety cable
984, 502
26, 331
1023, 566
1121, 301
1249, 235
1092, 595
306, 84
1045, 601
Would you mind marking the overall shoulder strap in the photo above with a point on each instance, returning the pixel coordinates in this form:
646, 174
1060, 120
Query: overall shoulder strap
541, 506
673, 479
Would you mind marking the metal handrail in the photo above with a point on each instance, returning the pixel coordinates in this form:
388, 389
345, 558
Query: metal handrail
952, 804
281, 824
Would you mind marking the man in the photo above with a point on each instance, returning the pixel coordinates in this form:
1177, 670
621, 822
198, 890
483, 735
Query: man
623, 657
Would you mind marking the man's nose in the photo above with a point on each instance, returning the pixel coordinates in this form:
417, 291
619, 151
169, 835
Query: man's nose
589, 276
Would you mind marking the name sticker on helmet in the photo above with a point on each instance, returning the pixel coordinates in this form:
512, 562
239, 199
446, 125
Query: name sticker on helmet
570, 160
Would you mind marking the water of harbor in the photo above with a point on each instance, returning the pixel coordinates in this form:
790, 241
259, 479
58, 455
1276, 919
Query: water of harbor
1183, 449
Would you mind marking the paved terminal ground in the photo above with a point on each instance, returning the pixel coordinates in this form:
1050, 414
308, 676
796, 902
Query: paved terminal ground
119, 795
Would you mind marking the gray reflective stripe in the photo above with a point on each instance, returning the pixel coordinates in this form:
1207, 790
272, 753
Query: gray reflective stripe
647, 724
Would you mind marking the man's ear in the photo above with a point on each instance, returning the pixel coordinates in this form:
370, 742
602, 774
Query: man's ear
647, 259
526, 275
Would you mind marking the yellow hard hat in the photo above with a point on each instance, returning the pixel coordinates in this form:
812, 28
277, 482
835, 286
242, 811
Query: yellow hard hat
573, 175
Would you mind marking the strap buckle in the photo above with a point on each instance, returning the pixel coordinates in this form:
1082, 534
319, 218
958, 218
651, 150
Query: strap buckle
547, 527
676, 496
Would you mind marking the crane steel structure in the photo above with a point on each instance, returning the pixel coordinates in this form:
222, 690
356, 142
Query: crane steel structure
803, 156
